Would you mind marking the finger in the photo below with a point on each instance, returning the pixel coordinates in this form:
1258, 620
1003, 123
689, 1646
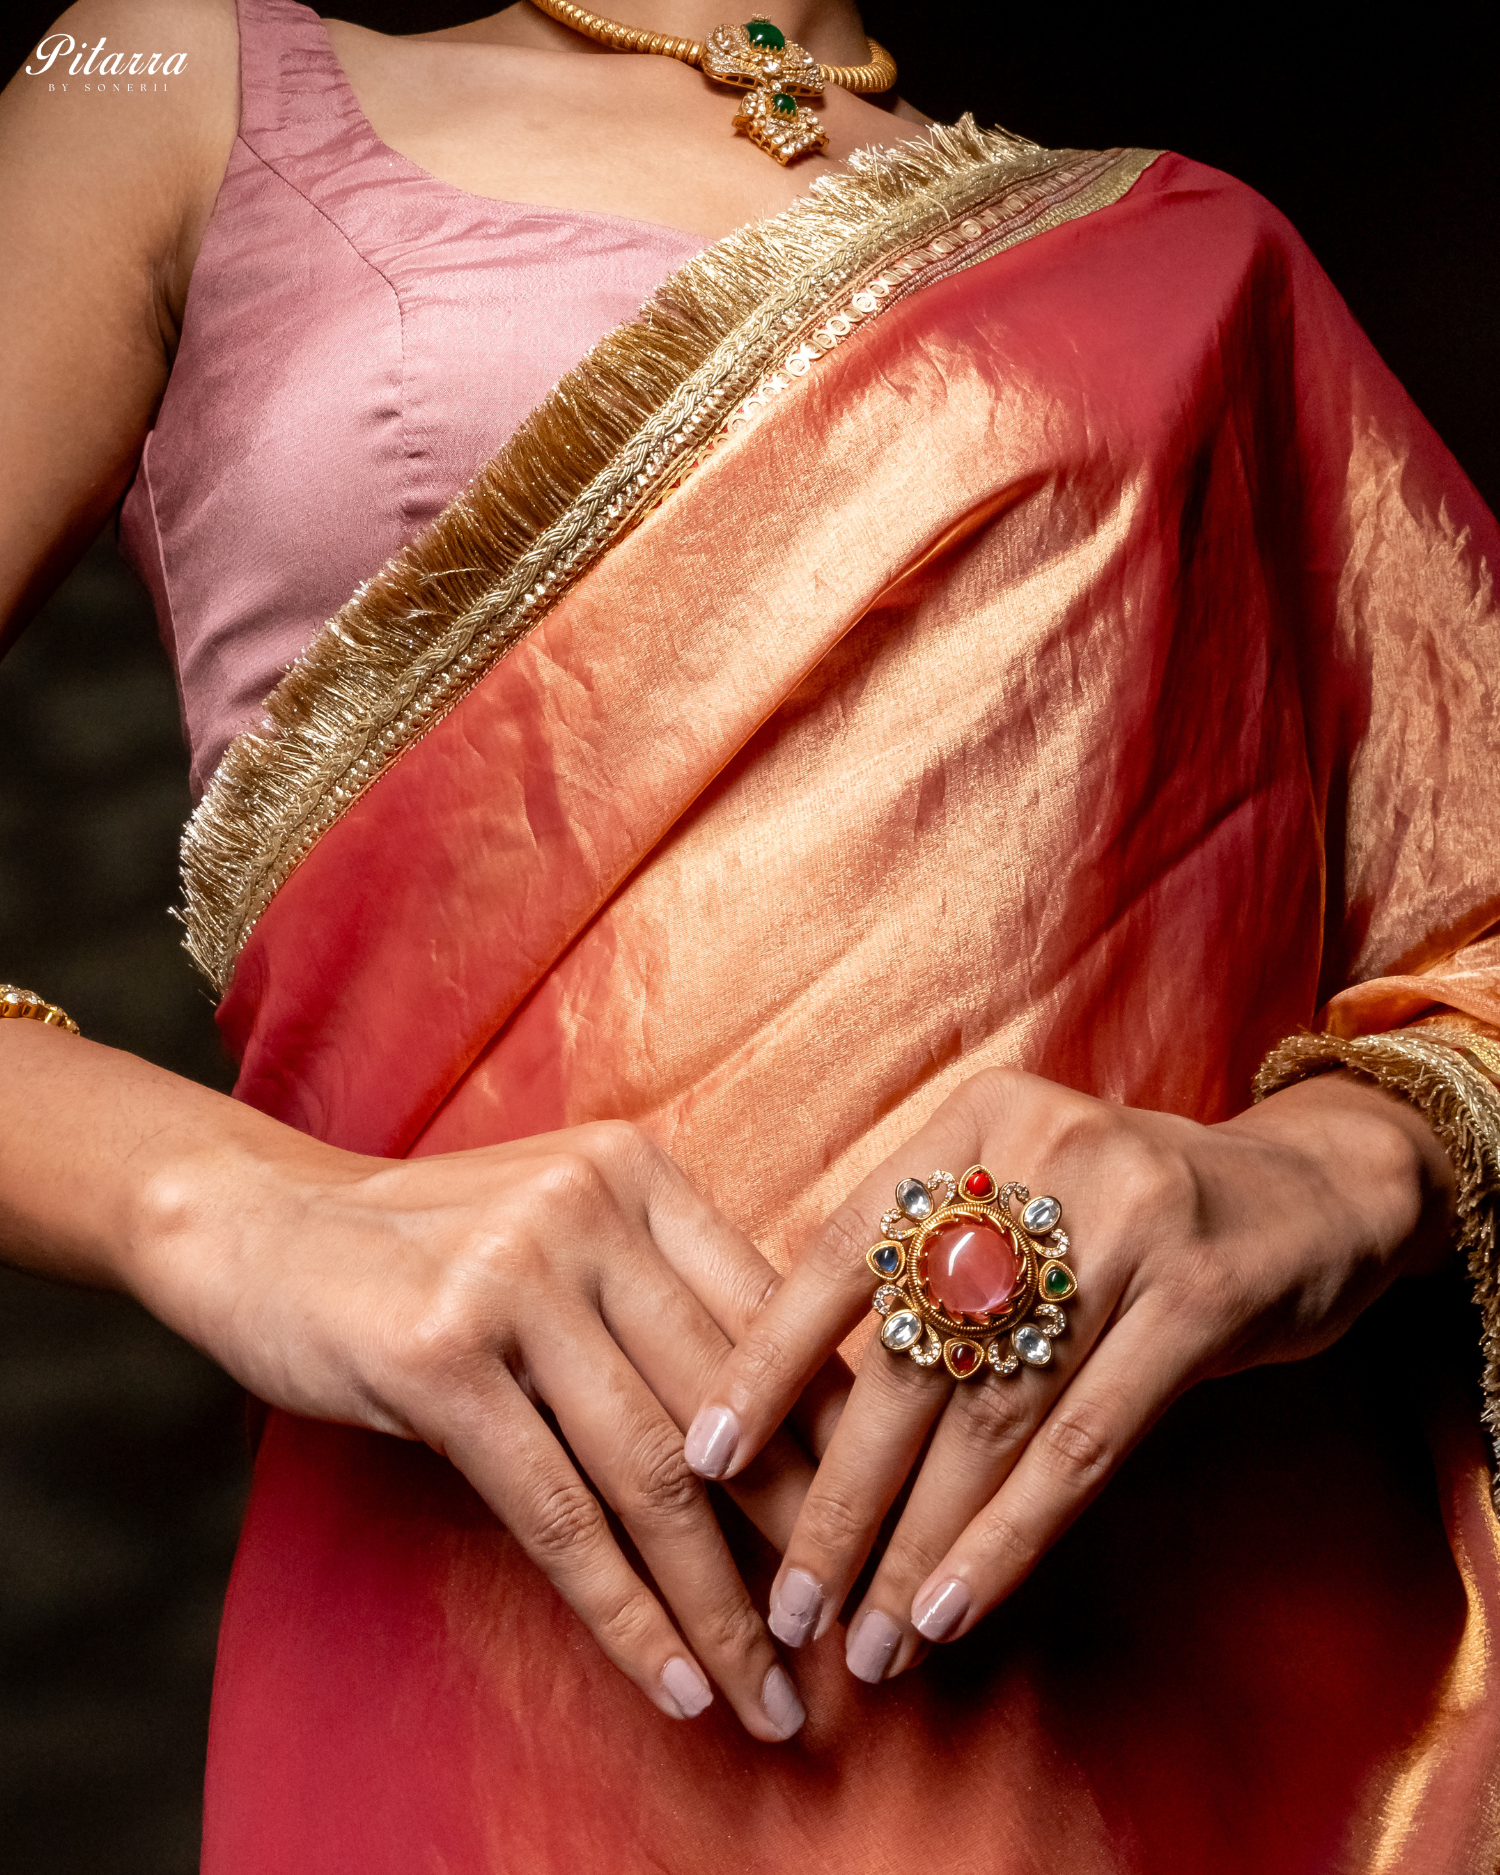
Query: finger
735, 1282
502, 1446
892, 1408
631, 1449
825, 1295
1091, 1427
986, 1426
676, 1345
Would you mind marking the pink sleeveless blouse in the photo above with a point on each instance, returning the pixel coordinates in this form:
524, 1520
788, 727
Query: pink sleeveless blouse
359, 338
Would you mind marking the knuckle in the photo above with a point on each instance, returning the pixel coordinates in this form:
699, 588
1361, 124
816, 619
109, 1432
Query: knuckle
765, 1366
1076, 1126
729, 1629
569, 1181
621, 1145
1079, 1444
763, 1288
911, 1556
564, 1521
1158, 1183
992, 1091
845, 1238
661, 1487
992, 1413
831, 1523
442, 1343
625, 1622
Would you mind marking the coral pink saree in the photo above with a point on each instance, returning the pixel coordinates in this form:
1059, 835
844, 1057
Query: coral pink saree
1002, 612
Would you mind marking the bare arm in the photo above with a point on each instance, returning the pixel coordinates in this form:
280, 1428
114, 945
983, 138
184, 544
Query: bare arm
104, 197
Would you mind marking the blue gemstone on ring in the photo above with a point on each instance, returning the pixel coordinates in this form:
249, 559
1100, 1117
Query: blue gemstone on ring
887, 1259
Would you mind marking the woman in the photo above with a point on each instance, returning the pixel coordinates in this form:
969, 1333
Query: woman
981, 659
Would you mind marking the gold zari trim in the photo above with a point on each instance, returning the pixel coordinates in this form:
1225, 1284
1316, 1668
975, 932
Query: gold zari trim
1462, 1105
614, 437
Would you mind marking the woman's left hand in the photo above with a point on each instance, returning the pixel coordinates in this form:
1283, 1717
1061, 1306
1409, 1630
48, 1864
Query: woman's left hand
1198, 1250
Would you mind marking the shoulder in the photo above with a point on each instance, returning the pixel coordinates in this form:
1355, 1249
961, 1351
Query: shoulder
1188, 202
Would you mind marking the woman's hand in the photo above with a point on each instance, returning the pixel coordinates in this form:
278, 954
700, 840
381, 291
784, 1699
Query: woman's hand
1198, 1250
446, 1299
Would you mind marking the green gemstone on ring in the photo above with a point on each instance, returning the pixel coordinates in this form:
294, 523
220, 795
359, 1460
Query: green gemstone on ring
767, 37
784, 104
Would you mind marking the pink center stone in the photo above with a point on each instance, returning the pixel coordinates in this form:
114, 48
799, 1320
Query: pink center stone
972, 1266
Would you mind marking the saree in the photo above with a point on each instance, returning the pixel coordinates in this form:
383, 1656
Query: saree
999, 612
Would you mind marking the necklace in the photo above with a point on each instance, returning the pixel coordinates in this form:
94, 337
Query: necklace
775, 72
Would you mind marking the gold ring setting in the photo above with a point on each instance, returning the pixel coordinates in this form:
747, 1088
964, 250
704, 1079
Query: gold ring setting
972, 1274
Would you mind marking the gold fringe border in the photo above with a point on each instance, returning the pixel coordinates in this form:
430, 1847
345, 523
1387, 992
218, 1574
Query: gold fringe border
614, 435
1462, 1105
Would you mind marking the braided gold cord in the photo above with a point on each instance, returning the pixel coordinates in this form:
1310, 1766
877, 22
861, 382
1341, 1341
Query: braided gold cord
27, 1006
878, 75
1431, 1066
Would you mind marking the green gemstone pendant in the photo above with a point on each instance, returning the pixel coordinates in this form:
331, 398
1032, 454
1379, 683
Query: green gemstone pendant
762, 33
778, 78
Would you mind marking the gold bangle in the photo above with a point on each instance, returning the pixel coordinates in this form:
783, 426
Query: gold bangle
28, 1006
1443, 1073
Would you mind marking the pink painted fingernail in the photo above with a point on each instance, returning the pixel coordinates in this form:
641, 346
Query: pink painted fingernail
939, 1613
711, 1441
795, 1602
782, 1706
686, 1687
872, 1645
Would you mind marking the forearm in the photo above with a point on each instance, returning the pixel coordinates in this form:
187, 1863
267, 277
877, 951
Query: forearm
100, 1150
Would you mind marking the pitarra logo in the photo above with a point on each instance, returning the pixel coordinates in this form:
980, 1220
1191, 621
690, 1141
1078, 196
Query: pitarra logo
113, 65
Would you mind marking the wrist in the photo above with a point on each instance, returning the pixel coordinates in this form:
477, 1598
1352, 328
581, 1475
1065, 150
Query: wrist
198, 1224
1377, 1151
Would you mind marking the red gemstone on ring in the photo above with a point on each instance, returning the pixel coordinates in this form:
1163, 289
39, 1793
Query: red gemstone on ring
979, 1184
963, 1357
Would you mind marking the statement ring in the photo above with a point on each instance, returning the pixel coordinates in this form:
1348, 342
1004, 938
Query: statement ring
967, 1279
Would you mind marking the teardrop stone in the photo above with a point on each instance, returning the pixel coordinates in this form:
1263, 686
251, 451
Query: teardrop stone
971, 1266
963, 1358
763, 34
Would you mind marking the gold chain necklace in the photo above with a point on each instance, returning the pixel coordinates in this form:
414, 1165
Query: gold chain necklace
776, 72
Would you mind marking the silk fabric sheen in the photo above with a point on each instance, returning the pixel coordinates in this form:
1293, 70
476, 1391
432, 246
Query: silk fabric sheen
1088, 667
358, 339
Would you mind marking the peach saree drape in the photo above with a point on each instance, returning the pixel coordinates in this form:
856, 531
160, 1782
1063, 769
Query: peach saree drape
1072, 651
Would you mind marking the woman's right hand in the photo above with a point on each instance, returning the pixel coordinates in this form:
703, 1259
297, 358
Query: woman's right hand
449, 1299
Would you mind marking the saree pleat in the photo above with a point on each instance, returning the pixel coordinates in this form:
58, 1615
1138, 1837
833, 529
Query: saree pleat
1088, 667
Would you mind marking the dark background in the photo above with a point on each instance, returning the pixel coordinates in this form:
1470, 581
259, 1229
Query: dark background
121, 1453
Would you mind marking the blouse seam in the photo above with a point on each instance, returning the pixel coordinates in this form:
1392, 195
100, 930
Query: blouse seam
374, 266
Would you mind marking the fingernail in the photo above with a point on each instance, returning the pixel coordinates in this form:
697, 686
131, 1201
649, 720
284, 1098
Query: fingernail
782, 1706
939, 1613
872, 1645
686, 1687
795, 1602
711, 1441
